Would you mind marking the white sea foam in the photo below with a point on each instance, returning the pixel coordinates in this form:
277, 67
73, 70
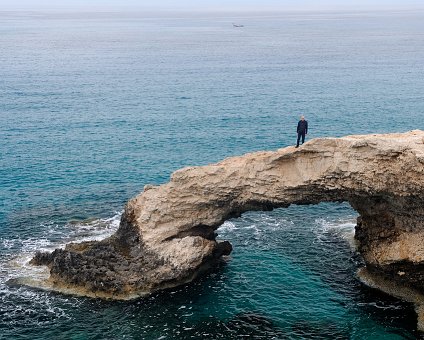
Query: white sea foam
257, 223
344, 229
226, 227
94, 230
15, 268
16, 263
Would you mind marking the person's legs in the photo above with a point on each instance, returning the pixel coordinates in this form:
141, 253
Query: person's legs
298, 139
303, 137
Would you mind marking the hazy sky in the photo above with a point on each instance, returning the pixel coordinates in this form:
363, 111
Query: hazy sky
212, 4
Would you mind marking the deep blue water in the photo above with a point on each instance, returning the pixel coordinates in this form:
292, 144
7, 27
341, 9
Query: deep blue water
95, 106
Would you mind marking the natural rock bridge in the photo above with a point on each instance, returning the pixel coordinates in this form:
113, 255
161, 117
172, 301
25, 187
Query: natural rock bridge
167, 233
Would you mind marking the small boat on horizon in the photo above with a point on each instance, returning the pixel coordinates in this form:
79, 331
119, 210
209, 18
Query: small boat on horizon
236, 25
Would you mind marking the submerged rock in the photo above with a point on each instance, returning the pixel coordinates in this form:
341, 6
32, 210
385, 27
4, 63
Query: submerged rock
167, 233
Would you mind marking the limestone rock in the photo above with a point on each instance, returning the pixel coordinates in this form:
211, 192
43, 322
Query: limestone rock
167, 233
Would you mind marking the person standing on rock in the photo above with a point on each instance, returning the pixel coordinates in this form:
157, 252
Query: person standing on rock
302, 130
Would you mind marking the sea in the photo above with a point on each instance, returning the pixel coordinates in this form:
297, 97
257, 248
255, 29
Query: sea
95, 105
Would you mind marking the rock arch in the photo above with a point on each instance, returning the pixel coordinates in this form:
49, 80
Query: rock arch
167, 233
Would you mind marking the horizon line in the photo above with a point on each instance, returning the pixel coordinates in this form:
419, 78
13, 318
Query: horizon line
110, 9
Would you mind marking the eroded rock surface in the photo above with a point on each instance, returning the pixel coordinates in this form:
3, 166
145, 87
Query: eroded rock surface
167, 233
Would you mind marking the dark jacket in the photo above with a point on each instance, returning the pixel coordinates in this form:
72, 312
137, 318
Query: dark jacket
302, 126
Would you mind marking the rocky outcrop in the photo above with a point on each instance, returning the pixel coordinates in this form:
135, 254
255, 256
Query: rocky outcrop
167, 233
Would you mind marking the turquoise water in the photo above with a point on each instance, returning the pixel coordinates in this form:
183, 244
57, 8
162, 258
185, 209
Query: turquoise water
95, 106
